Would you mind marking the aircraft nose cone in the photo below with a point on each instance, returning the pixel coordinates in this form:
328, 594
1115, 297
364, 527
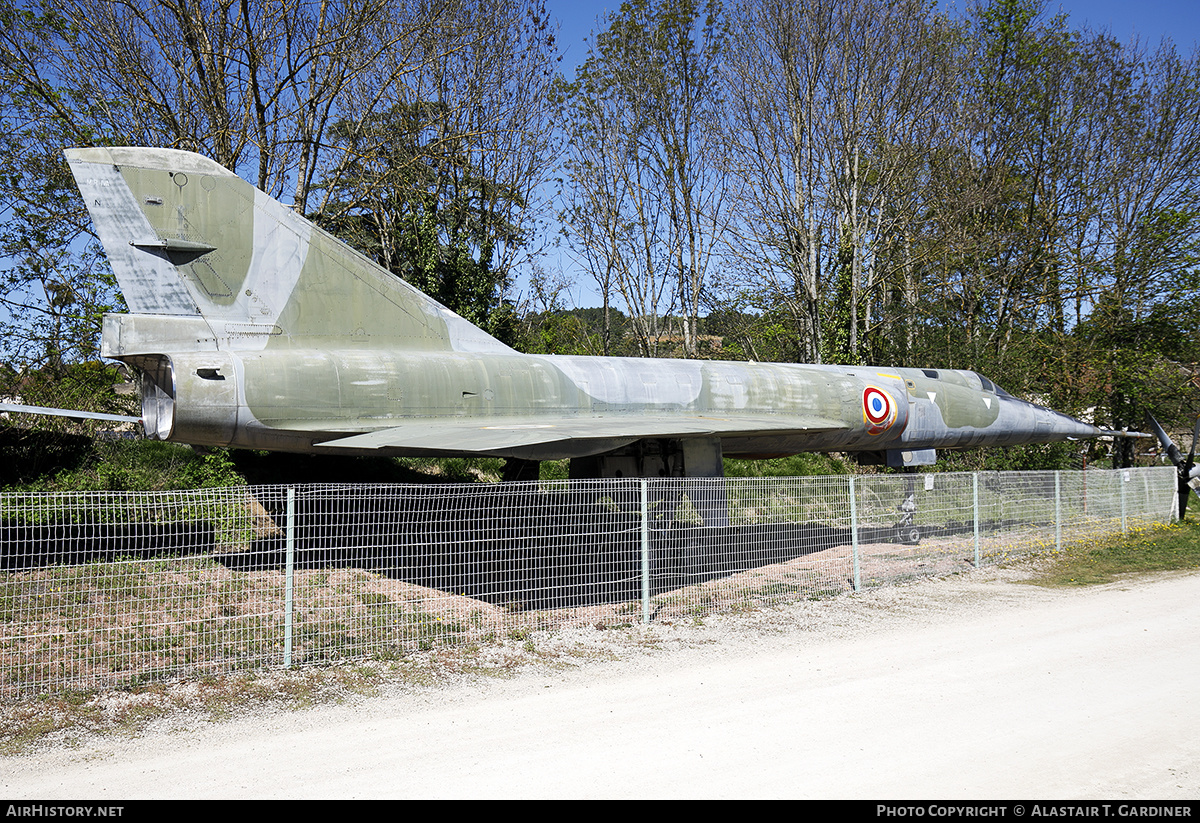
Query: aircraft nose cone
1037, 424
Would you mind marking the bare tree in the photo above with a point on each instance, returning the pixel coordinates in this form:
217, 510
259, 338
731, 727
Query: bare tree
888, 79
252, 84
596, 207
1148, 229
775, 120
833, 108
611, 215
650, 205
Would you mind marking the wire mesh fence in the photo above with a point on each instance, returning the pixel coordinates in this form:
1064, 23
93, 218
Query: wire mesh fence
112, 589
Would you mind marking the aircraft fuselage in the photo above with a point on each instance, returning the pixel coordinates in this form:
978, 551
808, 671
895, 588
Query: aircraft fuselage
296, 399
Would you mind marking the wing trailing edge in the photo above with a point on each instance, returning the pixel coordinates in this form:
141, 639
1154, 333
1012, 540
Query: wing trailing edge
496, 435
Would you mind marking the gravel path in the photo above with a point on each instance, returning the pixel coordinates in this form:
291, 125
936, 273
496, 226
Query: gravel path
969, 687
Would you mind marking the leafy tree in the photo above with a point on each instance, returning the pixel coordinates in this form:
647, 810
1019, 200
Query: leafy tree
414, 202
440, 183
54, 283
249, 84
259, 86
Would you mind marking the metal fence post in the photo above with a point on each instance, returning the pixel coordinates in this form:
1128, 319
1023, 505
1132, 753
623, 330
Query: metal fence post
1058, 511
645, 551
1175, 515
854, 533
975, 511
1121, 483
290, 546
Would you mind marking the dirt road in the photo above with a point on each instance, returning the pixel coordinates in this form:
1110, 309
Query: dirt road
973, 687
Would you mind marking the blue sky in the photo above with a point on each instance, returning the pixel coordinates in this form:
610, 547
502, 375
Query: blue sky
1149, 19
1152, 20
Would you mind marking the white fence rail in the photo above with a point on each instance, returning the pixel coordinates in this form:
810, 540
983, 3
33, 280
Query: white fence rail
111, 589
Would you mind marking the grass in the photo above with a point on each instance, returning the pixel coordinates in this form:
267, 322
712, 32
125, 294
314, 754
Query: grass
71, 717
1145, 550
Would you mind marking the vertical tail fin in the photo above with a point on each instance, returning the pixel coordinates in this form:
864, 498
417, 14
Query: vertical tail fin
187, 238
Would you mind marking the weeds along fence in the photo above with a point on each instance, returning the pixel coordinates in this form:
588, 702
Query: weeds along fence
101, 590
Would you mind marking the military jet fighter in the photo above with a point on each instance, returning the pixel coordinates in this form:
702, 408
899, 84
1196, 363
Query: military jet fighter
252, 328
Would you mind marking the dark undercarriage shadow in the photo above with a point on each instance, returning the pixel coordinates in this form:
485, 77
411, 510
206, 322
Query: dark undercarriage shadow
79, 540
531, 550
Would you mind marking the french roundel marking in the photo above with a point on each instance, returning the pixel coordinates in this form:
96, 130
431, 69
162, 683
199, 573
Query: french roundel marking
877, 409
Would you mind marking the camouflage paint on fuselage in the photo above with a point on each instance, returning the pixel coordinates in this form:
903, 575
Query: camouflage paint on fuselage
251, 327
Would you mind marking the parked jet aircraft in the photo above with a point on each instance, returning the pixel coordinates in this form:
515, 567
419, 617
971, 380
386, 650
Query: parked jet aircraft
253, 328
